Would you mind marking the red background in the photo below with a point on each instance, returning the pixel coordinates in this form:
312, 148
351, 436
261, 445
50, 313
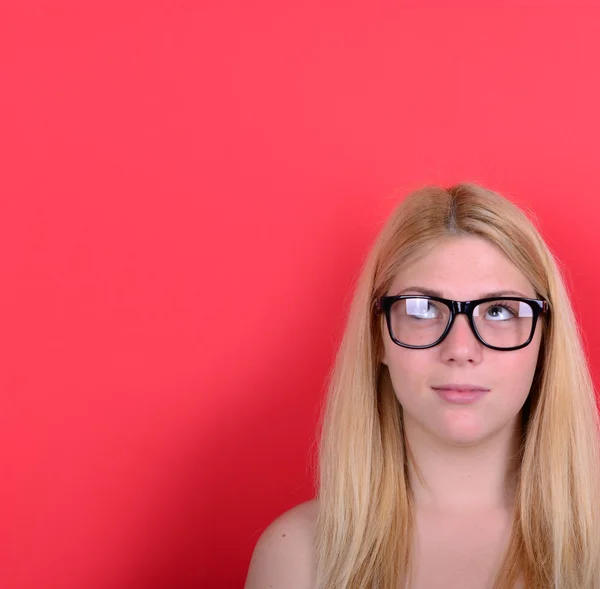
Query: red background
187, 191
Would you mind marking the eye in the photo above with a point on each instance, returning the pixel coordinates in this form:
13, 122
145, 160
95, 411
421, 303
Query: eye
421, 309
499, 312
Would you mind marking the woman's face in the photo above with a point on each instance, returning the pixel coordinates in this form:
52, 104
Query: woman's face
462, 269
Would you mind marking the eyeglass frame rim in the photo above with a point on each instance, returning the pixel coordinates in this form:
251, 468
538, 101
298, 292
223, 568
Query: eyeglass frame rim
384, 303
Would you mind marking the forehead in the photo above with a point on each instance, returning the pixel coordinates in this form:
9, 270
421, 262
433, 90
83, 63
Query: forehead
462, 268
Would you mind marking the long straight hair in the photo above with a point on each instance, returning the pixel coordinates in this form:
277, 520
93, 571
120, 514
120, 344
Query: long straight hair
364, 530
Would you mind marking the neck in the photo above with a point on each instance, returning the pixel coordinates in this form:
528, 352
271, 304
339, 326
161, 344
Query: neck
463, 479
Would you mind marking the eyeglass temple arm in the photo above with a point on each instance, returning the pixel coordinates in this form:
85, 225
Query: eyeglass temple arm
377, 304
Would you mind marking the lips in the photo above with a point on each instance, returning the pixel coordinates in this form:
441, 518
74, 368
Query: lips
460, 387
460, 393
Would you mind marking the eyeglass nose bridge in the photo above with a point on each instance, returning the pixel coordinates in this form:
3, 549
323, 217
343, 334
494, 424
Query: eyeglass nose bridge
461, 307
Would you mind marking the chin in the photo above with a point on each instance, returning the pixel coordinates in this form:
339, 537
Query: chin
463, 441
463, 430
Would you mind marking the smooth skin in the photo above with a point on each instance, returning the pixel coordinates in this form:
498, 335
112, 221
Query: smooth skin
464, 453
283, 557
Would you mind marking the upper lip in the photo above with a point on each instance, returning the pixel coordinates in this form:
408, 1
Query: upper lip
460, 387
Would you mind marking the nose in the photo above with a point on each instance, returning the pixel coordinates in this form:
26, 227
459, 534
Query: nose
461, 345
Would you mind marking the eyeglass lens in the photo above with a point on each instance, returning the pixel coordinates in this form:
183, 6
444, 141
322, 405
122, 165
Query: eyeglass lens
501, 323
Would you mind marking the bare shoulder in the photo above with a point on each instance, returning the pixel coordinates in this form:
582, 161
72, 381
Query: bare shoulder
283, 557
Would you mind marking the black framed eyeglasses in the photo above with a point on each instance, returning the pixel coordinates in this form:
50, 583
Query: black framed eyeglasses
499, 323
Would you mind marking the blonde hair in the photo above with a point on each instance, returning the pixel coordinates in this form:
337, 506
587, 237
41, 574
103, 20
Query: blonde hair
364, 528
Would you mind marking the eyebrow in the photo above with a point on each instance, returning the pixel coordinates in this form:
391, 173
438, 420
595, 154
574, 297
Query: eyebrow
436, 293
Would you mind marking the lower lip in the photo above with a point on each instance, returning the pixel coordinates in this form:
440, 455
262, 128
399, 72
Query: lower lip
460, 397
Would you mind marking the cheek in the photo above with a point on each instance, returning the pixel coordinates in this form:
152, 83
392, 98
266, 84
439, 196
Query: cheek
410, 371
514, 375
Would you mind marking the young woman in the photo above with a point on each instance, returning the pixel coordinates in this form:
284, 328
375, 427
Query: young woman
460, 437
